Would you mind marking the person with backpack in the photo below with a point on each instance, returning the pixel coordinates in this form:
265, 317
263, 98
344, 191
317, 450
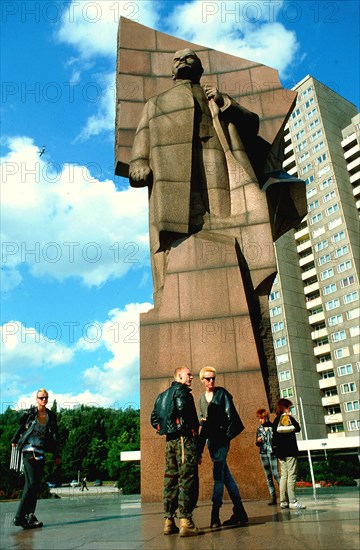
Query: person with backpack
174, 415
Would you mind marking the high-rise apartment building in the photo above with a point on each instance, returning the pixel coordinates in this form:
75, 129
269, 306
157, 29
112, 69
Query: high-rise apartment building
314, 304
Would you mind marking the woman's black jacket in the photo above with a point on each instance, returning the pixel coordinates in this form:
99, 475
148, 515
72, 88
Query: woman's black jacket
27, 424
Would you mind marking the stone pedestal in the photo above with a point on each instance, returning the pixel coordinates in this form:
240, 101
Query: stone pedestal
204, 319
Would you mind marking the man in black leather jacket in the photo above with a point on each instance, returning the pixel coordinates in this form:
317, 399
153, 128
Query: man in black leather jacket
174, 415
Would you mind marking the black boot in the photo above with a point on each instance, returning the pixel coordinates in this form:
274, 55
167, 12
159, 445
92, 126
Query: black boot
239, 516
215, 519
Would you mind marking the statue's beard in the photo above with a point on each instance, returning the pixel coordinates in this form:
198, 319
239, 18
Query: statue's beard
186, 73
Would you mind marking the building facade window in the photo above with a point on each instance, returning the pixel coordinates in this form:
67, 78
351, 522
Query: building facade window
340, 353
353, 313
335, 320
326, 183
354, 331
313, 205
345, 369
341, 251
321, 245
332, 209
350, 280
316, 218
274, 295
313, 124
351, 297
337, 428
277, 326
344, 266
332, 304
335, 223
353, 425
286, 392
324, 259
284, 375
350, 406
326, 274
282, 358
338, 236
275, 311
279, 342
329, 289
329, 196
338, 336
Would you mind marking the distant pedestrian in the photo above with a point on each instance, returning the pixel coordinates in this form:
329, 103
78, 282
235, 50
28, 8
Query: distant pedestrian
36, 435
174, 415
269, 461
84, 484
220, 423
285, 447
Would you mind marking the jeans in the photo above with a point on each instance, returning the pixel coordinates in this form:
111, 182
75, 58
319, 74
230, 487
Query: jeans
222, 477
270, 467
33, 472
288, 468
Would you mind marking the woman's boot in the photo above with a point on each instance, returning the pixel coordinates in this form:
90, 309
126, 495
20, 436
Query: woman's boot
215, 519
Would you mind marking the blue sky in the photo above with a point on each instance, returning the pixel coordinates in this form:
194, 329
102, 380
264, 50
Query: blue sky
75, 262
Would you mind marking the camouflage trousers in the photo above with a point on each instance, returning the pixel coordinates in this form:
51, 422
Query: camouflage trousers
181, 480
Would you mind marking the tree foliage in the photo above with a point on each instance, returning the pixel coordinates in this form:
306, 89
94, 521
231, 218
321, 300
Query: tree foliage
91, 440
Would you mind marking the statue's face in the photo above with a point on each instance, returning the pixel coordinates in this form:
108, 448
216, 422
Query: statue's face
187, 65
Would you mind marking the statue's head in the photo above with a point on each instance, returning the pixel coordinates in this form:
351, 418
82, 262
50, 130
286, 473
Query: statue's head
187, 66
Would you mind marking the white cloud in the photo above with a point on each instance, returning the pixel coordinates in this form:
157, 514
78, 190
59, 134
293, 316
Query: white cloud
104, 119
116, 382
250, 30
63, 222
91, 27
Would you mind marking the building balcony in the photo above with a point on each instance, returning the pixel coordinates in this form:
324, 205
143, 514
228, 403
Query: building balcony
349, 141
336, 435
305, 245
289, 163
316, 318
324, 366
309, 289
327, 383
354, 178
333, 418
328, 401
321, 333
321, 350
353, 153
288, 151
301, 233
308, 274
306, 260
354, 165
315, 302
356, 191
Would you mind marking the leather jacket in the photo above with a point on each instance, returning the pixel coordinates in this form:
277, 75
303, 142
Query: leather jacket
174, 412
221, 421
27, 424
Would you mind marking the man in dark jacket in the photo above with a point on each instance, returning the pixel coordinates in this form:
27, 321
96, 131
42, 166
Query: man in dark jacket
174, 415
36, 435
220, 424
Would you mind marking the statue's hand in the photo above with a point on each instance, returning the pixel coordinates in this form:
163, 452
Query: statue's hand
213, 93
139, 173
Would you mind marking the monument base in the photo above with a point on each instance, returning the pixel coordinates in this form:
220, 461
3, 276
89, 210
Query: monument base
205, 319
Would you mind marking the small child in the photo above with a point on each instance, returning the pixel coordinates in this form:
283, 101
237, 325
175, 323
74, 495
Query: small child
264, 435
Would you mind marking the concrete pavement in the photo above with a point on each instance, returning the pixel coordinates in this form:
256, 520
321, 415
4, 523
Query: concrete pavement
110, 521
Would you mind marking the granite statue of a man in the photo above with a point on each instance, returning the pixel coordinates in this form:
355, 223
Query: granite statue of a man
207, 170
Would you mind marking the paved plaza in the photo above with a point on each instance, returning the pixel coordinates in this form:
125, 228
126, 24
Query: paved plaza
100, 520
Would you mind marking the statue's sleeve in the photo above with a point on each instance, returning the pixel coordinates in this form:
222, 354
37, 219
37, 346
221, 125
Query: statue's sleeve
140, 154
246, 121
